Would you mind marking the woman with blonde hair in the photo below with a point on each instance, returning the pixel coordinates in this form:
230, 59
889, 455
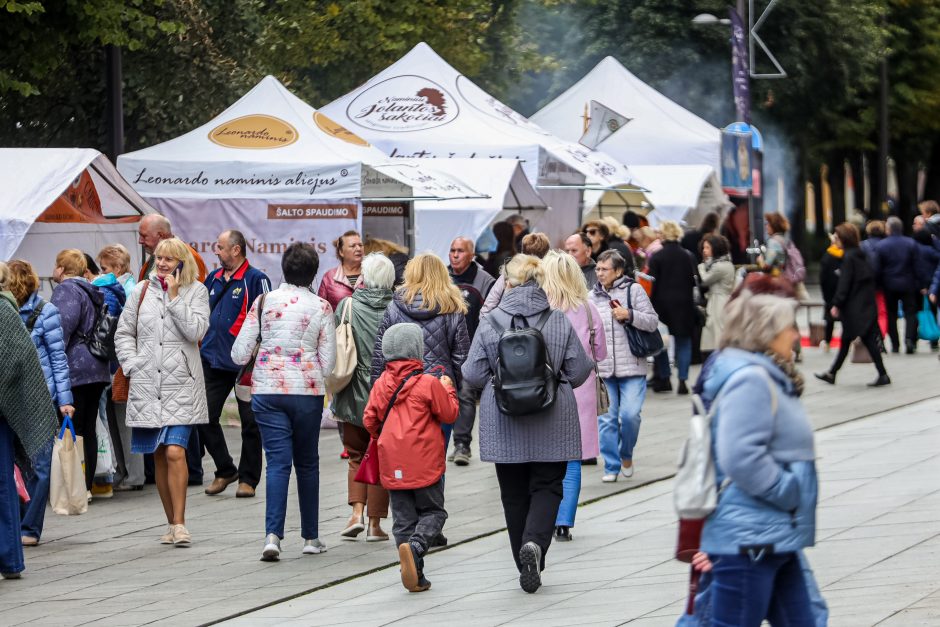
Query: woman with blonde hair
157, 343
564, 286
430, 299
78, 302
116, 259
531, 453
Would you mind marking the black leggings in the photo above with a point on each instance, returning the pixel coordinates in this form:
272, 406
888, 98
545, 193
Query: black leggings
85, 400
871, 341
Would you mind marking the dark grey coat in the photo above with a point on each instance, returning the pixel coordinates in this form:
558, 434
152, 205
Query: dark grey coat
553, 436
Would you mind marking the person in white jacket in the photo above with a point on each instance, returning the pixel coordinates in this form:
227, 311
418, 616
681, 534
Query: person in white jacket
157, 343
621, 301
294, 332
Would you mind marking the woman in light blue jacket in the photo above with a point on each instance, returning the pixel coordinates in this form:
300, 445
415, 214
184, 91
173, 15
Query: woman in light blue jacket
42, 321
764, 453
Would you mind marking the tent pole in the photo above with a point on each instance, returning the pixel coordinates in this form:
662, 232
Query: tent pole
115, 103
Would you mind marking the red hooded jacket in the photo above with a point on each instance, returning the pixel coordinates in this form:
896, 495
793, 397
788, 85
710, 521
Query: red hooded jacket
411, 446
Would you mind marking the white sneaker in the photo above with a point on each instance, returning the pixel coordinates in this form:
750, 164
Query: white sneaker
313, 547
609, 478
272, 548
626, 472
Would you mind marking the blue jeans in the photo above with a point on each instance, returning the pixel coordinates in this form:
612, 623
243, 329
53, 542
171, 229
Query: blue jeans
34, 512
11, 547
751, 588
290, 435
682, 345
619, 428
571, 485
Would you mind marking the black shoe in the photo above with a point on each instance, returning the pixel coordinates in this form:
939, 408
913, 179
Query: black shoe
423, 584
663, 385
910, 348
882, 379
530, 561
462, 454
895, 349
828, 377
682, 390
589, 462
563, 534
439, 540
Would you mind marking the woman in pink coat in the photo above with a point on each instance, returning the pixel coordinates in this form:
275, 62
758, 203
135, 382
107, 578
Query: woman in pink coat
339, 282
563, 283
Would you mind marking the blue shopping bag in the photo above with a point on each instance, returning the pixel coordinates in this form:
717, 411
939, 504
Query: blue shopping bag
927, 327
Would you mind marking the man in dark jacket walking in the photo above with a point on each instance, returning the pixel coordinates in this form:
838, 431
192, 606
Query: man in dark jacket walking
896, 267
232, 289
474, 283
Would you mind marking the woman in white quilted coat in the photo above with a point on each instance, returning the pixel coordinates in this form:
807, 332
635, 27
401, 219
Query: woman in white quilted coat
157, 343
296, 339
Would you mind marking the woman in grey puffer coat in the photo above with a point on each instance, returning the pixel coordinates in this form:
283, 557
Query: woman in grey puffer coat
531, 453
622, 372
429, 299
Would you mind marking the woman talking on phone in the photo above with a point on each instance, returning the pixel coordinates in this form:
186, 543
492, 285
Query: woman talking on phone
157, 343
621, 301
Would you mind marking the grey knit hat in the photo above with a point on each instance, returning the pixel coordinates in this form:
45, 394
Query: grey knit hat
404, 340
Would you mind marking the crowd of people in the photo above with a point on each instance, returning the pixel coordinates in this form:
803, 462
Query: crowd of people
422, 343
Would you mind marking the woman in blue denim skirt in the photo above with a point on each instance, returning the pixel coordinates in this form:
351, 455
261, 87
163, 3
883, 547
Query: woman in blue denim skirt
157, 343
296, 340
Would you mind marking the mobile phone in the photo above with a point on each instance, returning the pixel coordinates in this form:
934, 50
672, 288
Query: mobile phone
179, 269
614, 303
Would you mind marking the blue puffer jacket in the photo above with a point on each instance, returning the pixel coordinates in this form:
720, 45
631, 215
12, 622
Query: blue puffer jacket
47, 336
768, 457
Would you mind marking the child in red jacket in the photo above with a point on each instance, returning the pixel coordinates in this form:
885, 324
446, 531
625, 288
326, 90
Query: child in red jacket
405, 411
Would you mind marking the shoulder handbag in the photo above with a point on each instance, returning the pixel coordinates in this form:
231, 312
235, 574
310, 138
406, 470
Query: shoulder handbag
121, 385
642, 343
243, 380
369, 466
603, 400
346, 356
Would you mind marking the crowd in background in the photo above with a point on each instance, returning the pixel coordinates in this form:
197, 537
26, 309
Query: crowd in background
401, 350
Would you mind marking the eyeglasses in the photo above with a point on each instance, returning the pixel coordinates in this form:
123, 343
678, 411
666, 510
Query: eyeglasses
591, 231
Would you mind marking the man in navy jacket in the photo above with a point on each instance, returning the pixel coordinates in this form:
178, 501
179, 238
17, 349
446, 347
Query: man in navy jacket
233, 288
895, 269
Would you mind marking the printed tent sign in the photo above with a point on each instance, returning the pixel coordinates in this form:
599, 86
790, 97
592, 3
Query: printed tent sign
422, 108
56, 198
276, 169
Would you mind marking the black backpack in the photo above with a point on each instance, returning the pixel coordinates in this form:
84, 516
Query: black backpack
524, 382
101, 341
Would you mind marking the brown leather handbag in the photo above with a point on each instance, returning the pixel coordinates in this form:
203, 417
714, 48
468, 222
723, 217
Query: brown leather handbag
121, 384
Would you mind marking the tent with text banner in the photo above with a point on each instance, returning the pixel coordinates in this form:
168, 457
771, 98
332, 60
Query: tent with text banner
278, 170
57, 198
639, 126
420, 107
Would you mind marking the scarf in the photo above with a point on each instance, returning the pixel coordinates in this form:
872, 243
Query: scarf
835, 251
25, 403
789, 369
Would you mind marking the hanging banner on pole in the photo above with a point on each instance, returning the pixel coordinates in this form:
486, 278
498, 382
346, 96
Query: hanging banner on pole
736, 163
740, 77
603, 122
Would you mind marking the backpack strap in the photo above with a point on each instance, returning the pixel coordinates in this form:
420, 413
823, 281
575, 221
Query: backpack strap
34, 315
391, 402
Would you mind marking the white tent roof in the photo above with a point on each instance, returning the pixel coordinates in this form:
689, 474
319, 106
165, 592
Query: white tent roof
33, 178
683, 192
660, 132
421, 107
439, 222
271, 144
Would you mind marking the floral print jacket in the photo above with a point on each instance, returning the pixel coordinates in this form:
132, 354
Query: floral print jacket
298, 342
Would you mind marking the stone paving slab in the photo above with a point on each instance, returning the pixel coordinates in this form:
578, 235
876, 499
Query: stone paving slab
107, 563
618, 570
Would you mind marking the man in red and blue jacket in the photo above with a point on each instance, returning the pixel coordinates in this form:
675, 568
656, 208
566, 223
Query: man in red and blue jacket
233, 288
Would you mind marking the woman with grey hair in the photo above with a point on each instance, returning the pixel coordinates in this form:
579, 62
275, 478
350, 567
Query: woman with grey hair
531, 452
764, 456
364, 310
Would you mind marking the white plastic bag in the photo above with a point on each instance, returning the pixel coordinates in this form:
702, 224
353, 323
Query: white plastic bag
106, 464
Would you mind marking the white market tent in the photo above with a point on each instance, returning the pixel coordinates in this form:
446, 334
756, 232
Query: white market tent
275, 168
683, 193
421, 107
439, 222
35, 178
659, 133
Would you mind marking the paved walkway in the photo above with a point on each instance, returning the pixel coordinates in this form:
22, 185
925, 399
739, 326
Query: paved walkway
879, 541
106, 567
